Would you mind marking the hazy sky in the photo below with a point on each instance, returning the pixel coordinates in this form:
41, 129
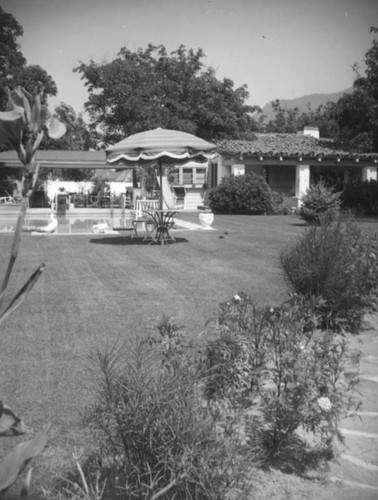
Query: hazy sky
279, 48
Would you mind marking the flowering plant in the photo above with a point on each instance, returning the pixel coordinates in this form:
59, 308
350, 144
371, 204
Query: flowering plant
277, 363
23, 124
22, 127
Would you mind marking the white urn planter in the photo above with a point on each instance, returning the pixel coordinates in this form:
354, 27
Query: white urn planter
206, 219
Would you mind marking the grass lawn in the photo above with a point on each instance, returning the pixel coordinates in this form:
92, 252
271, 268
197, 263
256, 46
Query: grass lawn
103, 288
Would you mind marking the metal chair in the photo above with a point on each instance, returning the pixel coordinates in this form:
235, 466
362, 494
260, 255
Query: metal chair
143, 222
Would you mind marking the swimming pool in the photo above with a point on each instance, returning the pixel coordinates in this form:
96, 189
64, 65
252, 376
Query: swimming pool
69, 224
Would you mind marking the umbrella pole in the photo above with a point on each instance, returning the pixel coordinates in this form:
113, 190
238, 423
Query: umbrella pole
161, 184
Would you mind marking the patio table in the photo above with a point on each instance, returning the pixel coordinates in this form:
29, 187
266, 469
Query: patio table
163, 220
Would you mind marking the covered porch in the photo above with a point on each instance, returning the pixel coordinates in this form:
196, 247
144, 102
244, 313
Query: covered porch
291, 163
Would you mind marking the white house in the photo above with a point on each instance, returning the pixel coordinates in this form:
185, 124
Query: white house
291, 162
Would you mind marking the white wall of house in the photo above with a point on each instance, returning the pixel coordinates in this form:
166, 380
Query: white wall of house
238, 169
369, 173
302, 181
53, 187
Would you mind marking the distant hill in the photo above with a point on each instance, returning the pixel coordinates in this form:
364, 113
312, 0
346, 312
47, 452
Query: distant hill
313, 100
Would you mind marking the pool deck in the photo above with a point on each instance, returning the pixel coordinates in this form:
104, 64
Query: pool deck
13, 210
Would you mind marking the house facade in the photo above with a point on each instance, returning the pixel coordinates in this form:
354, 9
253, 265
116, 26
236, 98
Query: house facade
291, 162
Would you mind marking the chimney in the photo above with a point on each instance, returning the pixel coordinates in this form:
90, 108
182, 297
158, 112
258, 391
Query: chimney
311, 131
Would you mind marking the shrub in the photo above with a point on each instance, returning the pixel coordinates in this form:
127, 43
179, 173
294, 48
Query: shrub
320, 203
287, 372
361, 197
336, 264
242, 194
233, 363
154, 431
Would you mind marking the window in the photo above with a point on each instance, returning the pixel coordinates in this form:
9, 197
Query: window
214, 174
187, 176
193, 175
200, 176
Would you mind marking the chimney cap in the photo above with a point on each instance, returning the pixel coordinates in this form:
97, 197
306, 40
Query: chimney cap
307, 127
311, 131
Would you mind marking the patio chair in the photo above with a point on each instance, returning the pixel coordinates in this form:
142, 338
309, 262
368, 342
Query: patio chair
143, 206
94, 200
142, 222
7, 200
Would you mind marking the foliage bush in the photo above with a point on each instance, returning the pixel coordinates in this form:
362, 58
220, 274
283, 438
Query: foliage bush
242, 194
361, 197
170, 420
320, 203
279, 365
156, 436
338, 265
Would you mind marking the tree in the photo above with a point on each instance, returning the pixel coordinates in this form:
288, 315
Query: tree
291, 120
14, 71
11, 57
35, 79
77, 137
357, 113
150, 88
285, 121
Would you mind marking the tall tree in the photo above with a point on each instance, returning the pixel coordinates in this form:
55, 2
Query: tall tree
11, 57
292, 120
357, 113
14, 70
35, 79
77, 136
150, 88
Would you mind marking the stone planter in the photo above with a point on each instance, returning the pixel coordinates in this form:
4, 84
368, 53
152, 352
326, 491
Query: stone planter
206, 219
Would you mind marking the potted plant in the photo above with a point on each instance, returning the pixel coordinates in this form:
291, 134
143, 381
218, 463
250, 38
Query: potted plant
206, 216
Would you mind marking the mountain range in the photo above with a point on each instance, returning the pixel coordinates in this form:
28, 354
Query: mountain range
302, 103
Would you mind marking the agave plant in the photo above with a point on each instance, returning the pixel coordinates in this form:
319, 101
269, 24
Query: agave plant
22, 127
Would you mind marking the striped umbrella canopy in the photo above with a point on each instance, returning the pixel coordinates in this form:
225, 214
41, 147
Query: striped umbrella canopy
162, 146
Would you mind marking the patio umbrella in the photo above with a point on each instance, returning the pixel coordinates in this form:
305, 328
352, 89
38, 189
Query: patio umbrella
162, 146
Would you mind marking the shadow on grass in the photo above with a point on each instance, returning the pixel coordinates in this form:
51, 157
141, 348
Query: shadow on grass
366, 218
126, 240
299, 224
301, 459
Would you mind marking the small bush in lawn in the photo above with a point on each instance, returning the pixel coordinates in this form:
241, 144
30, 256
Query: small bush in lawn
320, 203
156, 434
279, 366
338, 265
242, 194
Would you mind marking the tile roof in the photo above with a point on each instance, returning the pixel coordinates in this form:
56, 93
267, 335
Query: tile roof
60, 158
287, 146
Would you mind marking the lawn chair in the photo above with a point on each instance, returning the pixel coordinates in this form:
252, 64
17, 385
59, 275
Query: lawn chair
143, 222
94, 200
143, 206
8, 199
